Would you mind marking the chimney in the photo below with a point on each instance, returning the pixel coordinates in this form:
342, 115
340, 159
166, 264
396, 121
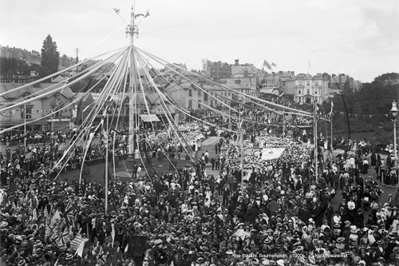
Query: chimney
236, 62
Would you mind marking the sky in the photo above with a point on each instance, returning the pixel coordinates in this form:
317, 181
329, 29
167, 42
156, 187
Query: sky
359, 38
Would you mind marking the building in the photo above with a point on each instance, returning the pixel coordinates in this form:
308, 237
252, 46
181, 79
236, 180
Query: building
308, 89
337, 83
243, 70
216, 70
39, 109
274, 80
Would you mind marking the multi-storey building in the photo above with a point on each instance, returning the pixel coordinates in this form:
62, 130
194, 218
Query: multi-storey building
337, 82
308, 89
275, 80
39, 109
216, 70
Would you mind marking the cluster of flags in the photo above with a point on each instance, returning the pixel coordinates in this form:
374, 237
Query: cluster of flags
269, 66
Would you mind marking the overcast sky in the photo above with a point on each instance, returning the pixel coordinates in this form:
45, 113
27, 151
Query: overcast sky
359, 38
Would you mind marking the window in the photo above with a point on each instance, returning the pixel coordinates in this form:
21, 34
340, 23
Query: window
190, 104
205, 96
299, 92
190, 93
308, 91
199, 93
315, 91
28, 112
299, 99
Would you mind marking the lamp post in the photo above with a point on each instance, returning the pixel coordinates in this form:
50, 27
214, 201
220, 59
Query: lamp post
394, 112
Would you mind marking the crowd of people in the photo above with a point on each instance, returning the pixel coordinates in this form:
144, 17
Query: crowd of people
282, 214
34, 137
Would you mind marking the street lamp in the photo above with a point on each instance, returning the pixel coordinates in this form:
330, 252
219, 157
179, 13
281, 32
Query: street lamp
394, 112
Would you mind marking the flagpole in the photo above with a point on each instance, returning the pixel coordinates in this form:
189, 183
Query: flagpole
106, 167
332, 139
315, 141
25, 127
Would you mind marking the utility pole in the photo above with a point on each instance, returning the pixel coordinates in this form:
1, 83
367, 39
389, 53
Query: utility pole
25, 128
77, 50
315, 140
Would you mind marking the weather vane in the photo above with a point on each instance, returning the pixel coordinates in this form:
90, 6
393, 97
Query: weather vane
132, 28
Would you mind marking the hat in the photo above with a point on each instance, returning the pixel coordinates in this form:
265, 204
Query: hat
395, 250
158, 241
200, 260
340, 239
353, 229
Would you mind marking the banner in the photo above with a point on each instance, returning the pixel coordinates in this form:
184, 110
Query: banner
272, 153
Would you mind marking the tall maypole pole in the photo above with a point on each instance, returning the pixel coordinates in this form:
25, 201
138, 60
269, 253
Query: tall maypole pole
132, 30
133, 138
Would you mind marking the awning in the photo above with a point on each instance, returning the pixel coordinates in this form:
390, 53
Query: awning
149, 118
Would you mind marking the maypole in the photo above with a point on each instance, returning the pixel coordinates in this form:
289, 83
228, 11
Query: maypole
132, 30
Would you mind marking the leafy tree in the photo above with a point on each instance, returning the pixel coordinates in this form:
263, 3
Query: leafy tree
12, 66
50, 55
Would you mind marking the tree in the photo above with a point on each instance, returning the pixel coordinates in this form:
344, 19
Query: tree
50, 56
12, 66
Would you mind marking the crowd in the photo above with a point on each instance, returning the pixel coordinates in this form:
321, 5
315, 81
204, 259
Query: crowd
34, 137
281, 215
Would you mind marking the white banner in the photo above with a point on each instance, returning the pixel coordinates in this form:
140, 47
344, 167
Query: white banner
272, 153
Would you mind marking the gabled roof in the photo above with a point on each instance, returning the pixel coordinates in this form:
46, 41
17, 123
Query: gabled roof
59, 79
183, 85
82, 96
18, 93
66, 92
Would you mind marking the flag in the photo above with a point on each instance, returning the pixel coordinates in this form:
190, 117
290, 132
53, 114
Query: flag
34, 215
332, 107
56, 217
79, 250
49, 231
63, 238
68, 214
76, 242
116, 10
126, 248
46, 214
274, 65
266, 64
56, 263
309, 64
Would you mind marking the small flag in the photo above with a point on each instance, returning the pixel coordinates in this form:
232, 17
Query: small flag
56, 217
126, 248
266, 64
79, 251
116, 10
274, 65
332, 106
309, 64
76, 242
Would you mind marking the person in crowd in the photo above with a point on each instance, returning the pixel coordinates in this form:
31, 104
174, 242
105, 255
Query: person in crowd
178, 217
